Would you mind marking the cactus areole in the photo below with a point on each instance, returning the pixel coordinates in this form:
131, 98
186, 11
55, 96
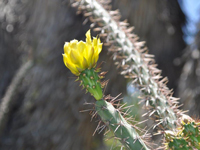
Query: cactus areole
81, 58
122, 130
90, 80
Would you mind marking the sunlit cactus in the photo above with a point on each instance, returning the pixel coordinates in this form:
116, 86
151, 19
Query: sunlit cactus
134, 62
90, 80
139, 67
117, 123
185, 137
81, 58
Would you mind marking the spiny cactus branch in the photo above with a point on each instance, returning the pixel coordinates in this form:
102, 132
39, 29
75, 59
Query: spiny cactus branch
131, 56
186, 136
122, 129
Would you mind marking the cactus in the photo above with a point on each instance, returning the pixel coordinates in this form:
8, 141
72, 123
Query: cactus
121, 128
134, 62
91, 81
81, 58
186, 136
138, 66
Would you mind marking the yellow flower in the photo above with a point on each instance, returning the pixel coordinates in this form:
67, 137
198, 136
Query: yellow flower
79, 55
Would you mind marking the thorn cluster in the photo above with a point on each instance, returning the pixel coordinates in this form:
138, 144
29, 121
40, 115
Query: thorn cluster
133, 60
123, 131
90, 80
186, 136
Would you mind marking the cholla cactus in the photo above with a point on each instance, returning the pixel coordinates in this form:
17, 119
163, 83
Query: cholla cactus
138, 66
186, 136
81, 58
135, 64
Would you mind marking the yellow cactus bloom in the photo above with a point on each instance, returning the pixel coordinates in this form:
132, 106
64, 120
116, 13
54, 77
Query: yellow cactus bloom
79, 55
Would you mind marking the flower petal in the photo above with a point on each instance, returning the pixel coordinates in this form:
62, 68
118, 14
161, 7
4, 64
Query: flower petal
79, 55
99, 45
90, 57
73, 44
95, 58
70, 65
81, 47
67, 48
75, 57
88, 37
84, 63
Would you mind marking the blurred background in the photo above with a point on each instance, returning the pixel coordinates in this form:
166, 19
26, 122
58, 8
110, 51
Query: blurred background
41, 101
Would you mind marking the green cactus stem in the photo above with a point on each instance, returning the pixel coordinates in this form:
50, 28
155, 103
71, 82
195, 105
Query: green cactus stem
179, 144
134, 62
186, 137
91, 81
121, 128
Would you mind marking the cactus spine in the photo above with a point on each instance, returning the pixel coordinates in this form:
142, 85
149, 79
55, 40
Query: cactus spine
91, 81
122, 130
135, 65
186, 136
109, 114
81, 58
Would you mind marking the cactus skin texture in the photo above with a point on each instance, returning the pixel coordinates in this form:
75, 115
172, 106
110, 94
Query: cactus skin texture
81, 59
187, 137
110, 116
116, 123
91, 81
138, 66
133, 61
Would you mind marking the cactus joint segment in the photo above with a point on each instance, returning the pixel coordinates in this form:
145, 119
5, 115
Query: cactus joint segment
122, 130
186, 137
90, 80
